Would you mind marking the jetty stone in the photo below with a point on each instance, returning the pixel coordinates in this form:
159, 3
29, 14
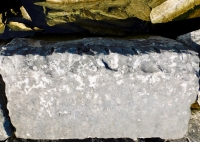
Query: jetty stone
99, 87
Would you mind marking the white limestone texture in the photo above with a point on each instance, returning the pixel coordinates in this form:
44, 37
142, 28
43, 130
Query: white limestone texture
99, 87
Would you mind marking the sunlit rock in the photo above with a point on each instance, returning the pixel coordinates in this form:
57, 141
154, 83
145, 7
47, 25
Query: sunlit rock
25, 13
16, 26
2, 25
102, 9
172, 9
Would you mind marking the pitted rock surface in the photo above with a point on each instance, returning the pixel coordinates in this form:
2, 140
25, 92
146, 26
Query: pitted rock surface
6, 128
98, 87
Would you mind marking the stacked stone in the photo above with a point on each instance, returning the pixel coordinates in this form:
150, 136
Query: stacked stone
105, 17
98, 87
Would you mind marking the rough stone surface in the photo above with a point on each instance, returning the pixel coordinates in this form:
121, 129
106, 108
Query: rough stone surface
21, 18
192, 39
171, 9
2, 26
101, 9
6, 129
27, 19
194, 126
98, 87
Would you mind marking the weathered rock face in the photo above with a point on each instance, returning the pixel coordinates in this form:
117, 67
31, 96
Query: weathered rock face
86, 17
34, 19
98, 87
106, 17
6, 128
175, 9
99, 9
192, 40
163, 10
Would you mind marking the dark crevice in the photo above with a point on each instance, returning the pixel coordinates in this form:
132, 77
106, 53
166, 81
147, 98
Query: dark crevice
107, 51
107, 66
8, 127
52, 50
157, 50
10, 8
185, 139
160, 68
14, 139
83, 50
110, 9
175, 28
135, 51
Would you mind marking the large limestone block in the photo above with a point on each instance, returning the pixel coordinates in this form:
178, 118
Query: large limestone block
172, 9
97, 87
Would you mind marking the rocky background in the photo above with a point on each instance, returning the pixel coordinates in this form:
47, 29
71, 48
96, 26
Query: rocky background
22, 18
66, 20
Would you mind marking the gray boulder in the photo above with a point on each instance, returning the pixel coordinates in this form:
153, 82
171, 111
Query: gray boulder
98, 87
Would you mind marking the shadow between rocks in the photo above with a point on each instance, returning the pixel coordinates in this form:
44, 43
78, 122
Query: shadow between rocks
176, 28
97, 44
8, 127
186, 139
14, 139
